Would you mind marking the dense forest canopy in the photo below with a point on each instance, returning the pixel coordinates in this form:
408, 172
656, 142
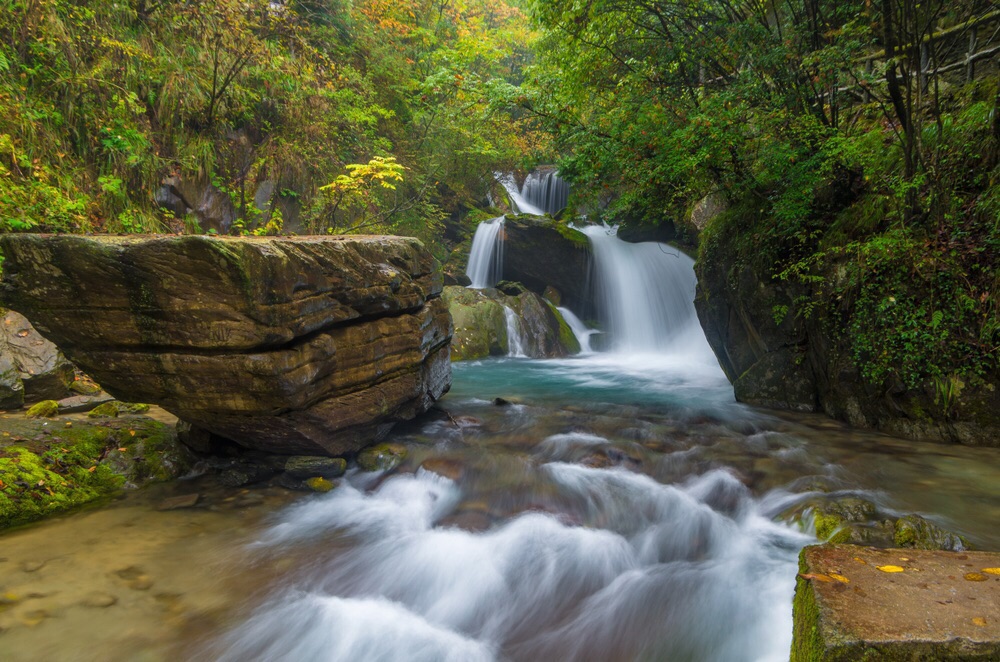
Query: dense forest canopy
360, 116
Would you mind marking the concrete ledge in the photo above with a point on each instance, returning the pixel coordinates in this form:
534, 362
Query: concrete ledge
860, 603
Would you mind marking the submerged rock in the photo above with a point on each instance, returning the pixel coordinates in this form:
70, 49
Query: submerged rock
383, 457
301, 345
308, 466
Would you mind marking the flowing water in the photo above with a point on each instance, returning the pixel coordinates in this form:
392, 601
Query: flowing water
486, 255
545, 190
614, 506
579, 329
515, 335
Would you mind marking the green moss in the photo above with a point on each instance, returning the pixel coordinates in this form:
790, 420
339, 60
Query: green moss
566, 335
106, 410
830, 528
320, 484
807, 638
44, 409
575, 236
383, 457
83, 464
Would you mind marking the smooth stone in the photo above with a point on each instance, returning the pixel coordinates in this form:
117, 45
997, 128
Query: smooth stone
308, 466
451, 469
79, 404
178, 502
383, 457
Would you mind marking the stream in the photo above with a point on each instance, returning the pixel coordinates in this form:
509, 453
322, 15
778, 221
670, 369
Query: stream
609, 506
618, 508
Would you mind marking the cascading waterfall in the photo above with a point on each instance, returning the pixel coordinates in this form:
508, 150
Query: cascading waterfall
515, 337
486, 257
645, 295
545, 190
579, 329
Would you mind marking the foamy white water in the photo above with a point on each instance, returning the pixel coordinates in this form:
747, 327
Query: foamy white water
485, 268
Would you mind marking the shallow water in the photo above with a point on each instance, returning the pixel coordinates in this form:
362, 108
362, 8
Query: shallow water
620, 508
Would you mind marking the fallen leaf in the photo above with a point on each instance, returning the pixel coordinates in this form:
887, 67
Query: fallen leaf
889, 568
132, 432
819, 578
860, 560
92, 469
122, 449
975, 577
992, 571
903, 558
840, 578
980, 621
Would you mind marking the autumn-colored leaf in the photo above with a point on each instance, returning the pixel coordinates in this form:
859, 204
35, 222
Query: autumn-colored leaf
131, 433
92, 469
840, 578
860, 560
980, 621
817, 577
890, 568
975, 577
122, 449
992, 571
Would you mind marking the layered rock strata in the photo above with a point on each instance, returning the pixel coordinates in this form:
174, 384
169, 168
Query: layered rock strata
305, 345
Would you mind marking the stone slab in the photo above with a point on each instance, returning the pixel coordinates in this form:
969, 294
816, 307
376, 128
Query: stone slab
860, 603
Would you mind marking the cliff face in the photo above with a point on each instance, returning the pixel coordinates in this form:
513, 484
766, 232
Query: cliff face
290, 345
786, 345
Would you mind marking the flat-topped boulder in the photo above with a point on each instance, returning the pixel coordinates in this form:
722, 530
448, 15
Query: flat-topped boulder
296, 345
861, 603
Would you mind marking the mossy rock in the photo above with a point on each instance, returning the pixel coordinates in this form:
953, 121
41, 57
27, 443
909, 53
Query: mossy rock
480, 324
858, 522
114, 409
44, 409
85, 463
383, 457
309, 466
320, 484
106, 410
83, 387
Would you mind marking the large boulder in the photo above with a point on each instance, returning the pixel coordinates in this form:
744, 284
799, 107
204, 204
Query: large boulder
306, 346
541, 252
481, 324
31, 367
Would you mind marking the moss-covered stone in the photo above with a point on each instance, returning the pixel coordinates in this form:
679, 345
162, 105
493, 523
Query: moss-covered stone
83, 463
320, 484
382, 457
106, 410
44, 409
480, 324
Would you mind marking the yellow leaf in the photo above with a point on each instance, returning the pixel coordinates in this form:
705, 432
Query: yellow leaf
992, 571
817, 577
122, 449
975, 577
860, 560
980, 621
840, 578
131, 432
889, 568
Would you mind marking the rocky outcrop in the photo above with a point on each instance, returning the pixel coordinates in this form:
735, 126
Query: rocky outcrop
31, 367
784, 345
481, 328
291, 345
541, 252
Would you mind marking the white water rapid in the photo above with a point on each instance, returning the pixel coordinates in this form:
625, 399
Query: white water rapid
521, 204
486, 256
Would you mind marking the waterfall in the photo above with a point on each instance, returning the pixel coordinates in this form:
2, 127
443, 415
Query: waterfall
645, 295
515, 338
544, 192
579, 329
486, 257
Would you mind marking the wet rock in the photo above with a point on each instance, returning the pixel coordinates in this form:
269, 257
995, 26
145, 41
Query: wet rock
319, 484
308, 466
44, 409
449, 468
79, 404
858, 521
135, 578
106, 410
11, 386
293, 345
502, 402
857, 603
540, 252
383, 457
915, 532
287, 482
179, 502
85, 387
44, 372
467, 520
240, 474
99, 600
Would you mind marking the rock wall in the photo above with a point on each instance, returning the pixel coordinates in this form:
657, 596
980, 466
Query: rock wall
778, 354
302, 345
31, 367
